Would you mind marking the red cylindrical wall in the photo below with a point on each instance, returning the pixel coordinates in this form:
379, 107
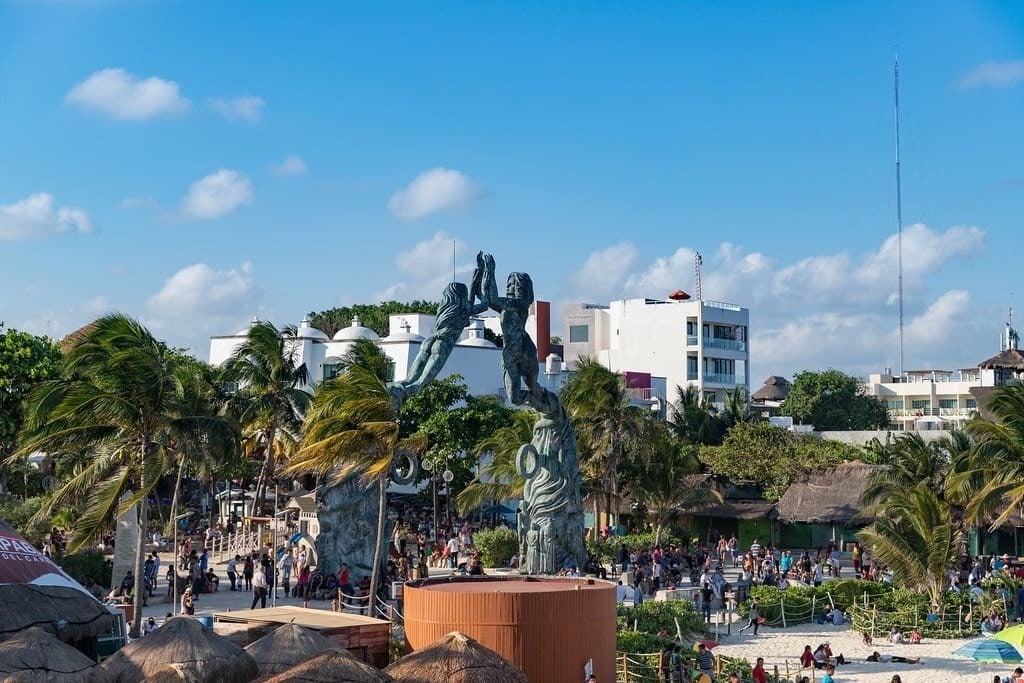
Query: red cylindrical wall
549, 628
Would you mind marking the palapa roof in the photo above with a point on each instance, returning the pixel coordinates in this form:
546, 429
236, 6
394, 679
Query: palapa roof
736, 509
182, 649
775, 389
333, 666
455, 658
286, 646
827, 495
1012, 359
36, 592
37, 655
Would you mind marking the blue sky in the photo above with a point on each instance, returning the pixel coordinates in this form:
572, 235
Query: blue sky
197, 164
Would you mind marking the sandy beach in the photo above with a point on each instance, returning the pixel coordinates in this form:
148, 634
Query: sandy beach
938, 663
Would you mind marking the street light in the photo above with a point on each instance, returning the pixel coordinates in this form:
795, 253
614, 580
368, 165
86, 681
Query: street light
174, 561
447, 476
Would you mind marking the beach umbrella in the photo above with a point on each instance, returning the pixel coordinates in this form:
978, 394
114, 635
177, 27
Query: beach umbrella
286, 646
333, 666
36, 592
1013, 635
37, 655
455, 658
182, 649
989, 650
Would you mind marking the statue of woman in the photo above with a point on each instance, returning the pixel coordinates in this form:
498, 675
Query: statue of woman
519, 354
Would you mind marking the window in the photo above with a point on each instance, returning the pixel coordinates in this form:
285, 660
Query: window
920, 404
332, 370
691, 328
691, 367
724, 332
947, 403
895, 404
971, 404
579, 334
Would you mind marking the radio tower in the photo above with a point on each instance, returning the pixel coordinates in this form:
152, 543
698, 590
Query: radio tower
899, 211
696, 274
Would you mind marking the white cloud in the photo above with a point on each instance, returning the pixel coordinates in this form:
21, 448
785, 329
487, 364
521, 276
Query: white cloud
993, 75
825, 310
604, 269
437, 189
290, 165
216, 195
36, 216
199, 301
122, 96
426, 268
248, 108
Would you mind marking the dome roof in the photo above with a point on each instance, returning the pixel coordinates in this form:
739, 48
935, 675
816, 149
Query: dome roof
476, 336
356, 331
405, 335
307, 331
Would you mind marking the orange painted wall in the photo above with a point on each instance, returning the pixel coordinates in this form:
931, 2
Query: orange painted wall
549, 628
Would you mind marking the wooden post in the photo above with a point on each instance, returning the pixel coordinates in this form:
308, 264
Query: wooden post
625, 666
782, 608
813, 607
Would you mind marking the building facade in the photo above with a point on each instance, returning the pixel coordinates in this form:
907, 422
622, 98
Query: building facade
662, 344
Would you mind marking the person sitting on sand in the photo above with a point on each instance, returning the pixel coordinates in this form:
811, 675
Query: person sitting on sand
867, 638
915, 637
807, 660
878, 657
826, 650
895, 636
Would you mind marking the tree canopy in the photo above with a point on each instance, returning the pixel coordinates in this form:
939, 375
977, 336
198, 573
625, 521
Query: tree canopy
831, 400
25, 361
373, 316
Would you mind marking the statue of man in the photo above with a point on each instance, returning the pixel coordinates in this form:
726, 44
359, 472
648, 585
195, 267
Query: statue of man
519, 355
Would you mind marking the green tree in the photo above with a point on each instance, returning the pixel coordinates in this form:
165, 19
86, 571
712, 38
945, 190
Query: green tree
909, 461
998, 459
119, 397
25, 361
374, 316
917, 538
693, 419
601, 411
352, 428
269, 400
497, 478
667, 477
833, 401
771, 456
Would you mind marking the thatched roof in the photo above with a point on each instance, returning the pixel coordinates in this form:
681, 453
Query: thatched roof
1011, 359
455, 658
775, 389
333, 666
286, 646
36, 592
37, 655
184, 648
827, 495
736, 509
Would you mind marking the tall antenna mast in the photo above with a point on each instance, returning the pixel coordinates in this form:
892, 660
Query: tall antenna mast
696, 274
899, 211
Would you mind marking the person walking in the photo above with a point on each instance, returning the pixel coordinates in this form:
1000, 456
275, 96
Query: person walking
754, 617
259, 588
247, 570
232, 569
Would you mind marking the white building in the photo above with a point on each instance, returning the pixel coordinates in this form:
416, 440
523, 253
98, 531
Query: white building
662, 344
945, 399
475, 358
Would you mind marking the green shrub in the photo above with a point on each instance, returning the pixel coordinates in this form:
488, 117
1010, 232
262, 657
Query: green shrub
608, 548
17, 513
654, 616
496, 546
85, 564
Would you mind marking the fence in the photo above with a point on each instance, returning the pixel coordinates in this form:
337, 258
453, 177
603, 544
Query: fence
632, 667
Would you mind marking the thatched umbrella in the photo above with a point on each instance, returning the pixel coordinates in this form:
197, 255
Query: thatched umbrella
183, 646
37, 655
456, 658
36, 592
333, 666
286, 646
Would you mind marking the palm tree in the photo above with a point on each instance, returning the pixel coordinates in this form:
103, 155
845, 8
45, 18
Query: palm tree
908, 461
498, 478
601, 411
352, 429
667, 477
120, 397
693, 418
917, 538
999, 457
270, 401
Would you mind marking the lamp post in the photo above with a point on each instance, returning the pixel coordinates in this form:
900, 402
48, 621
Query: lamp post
447, 476
174, 562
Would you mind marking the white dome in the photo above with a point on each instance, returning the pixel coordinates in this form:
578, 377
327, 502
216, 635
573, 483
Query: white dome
356, 331
307, 331
476, 336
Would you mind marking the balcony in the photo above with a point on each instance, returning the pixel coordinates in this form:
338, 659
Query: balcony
727, 380
645, 394
725, 344
691, 340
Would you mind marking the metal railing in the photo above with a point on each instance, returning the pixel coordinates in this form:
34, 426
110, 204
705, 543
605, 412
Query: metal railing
726, 344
